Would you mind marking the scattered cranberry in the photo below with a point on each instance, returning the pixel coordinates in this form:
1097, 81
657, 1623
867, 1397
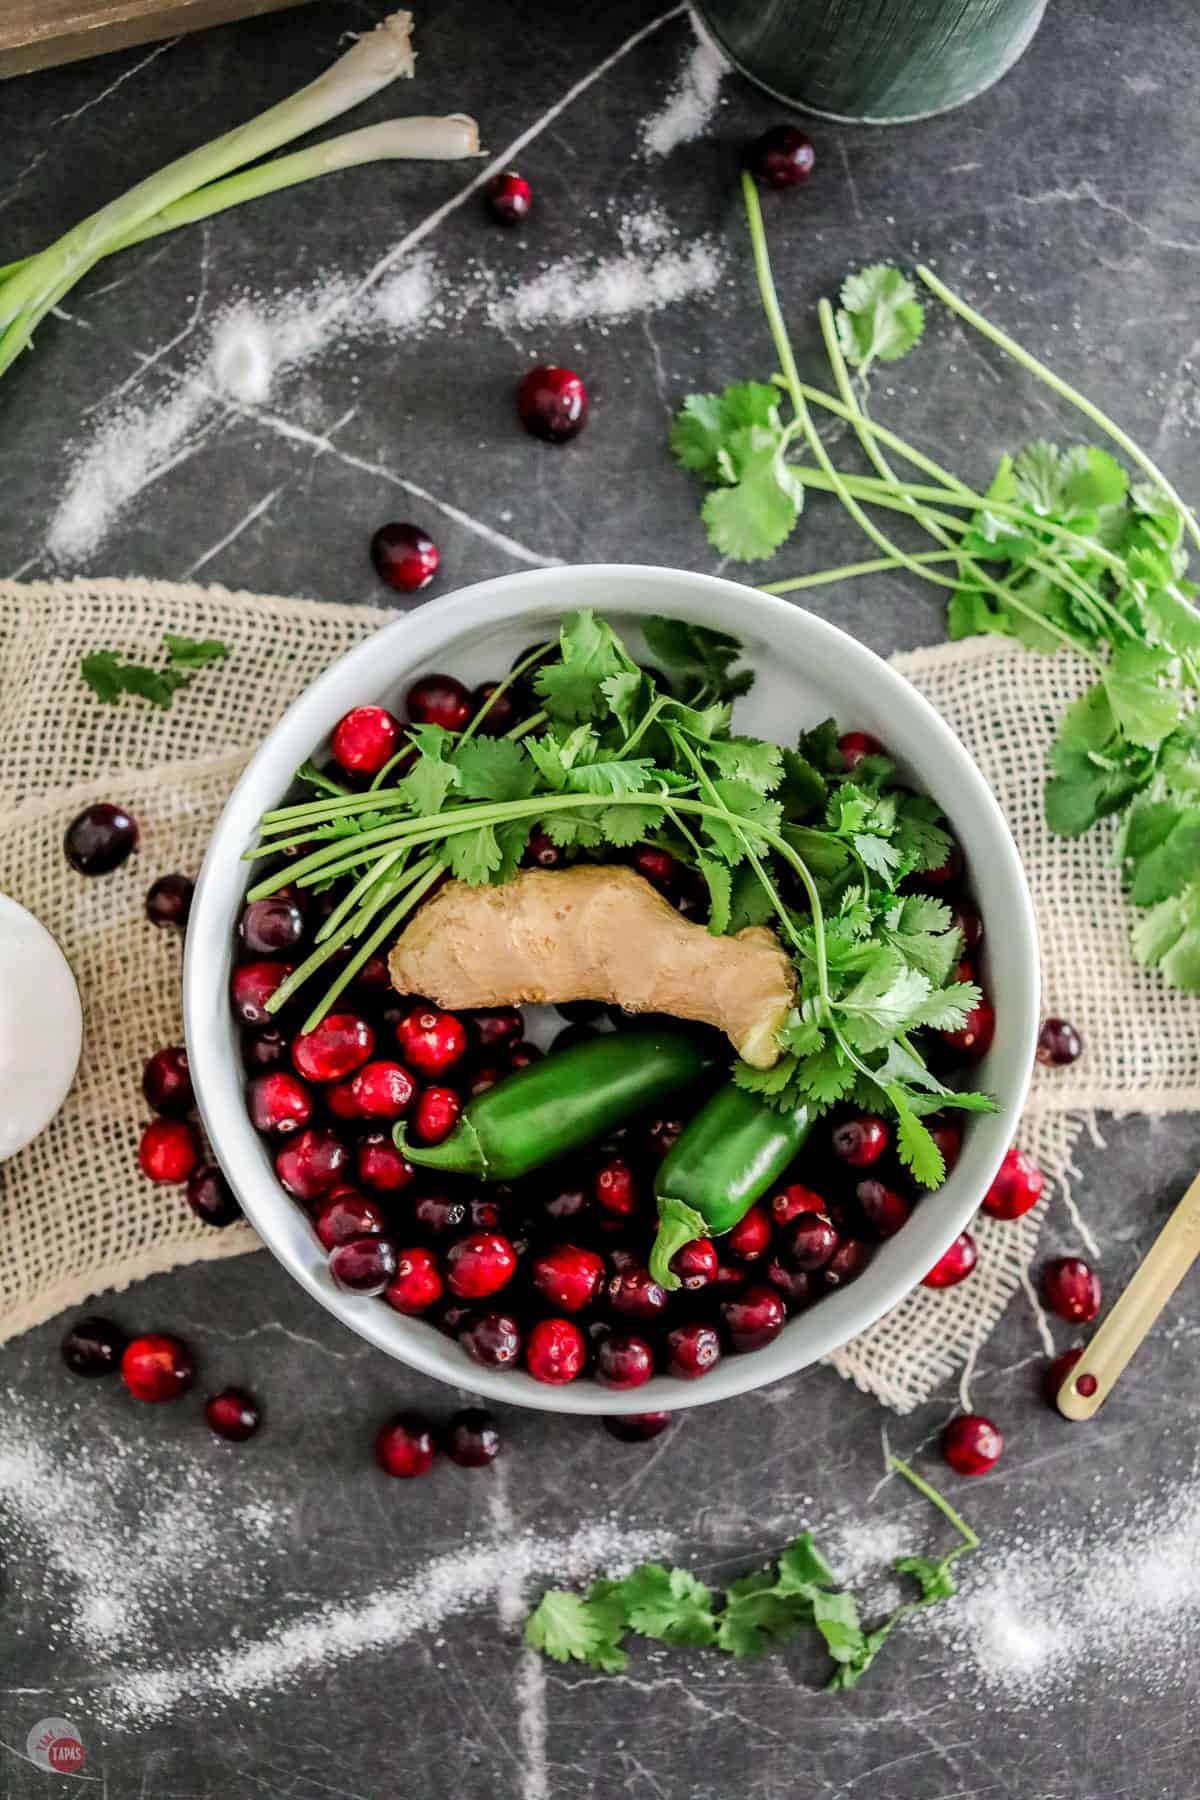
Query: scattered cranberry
347, 1215
846, 1264
883, 1209
364, 1264
782, 157
263, 1050
404, 1446
509, 197
380, 1164
310, 1163
971, 1444
948, 1139
156, 1367
211, 1198
439, 1215
753, 1317
479, 1264
955, 1265
568, 1277
692, 1350
796, 1285
93, 1346
439, 700
636, 1428
431, 1041
335, 1048
169, 1150
855, 745
1071, 1288
169, 900
472, 1440
861, 1141
99, 839
1058, 1044
417, 1284
751, 1236
695, 1264
552, 403
658, 866
974, 1037
382, 1090
634, 1294
252, 985
493, 1339
233, 1414
268, 927
279, 1103
167, 1082
811, 1242
555, 1351
792, 1201
494, 712
497, 1028
965, 917
623, 1361
1017, 1187
542, 850
438, 1112
405, 557
615, 1188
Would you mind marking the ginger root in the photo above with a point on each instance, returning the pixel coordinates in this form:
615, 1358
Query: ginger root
594, 933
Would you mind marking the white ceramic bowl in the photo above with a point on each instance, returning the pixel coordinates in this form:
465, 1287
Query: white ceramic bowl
806, 670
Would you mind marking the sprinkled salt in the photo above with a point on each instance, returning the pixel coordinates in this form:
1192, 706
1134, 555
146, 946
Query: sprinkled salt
690, 105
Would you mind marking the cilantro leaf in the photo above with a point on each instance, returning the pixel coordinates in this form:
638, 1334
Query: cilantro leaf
931, 1574
1144, 709
611, 777
109, 678
835, 1616
719, 882
757, 1615
1160, 846
1168, 938
802, 1566
193, 653
623, 826
474, 856
752, 518
880, 318
565, 1626
670, 1604
572, 688
915, 1146
696, 437
493, 768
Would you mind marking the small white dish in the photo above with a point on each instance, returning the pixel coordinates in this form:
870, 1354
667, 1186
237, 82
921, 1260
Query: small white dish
41, 1027
806, 670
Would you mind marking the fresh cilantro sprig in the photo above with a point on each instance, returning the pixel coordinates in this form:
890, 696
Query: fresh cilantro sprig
109, 676
758, 1613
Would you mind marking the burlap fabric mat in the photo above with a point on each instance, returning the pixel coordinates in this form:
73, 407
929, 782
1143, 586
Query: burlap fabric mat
76, 1217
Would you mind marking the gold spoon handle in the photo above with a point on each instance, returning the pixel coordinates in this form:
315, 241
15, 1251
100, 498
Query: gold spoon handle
1157, 1276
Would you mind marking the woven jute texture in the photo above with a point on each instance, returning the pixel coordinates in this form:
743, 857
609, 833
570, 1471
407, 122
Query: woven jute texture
76, 1217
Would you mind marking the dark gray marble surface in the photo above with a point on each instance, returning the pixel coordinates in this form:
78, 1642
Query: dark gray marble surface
1065, 200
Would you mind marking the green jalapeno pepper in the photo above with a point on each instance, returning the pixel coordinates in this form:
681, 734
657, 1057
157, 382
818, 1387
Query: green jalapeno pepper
728, 1156
564, 1102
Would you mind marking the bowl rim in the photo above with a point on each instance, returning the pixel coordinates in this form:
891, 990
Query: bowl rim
407, 644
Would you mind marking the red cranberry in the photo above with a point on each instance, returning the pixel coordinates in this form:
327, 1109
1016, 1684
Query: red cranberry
279, 1103
365, 739
634, 1294
210, 1196
624, 1361
782, 157
1058, 1044
381, 1166
695, 1264
789, 1204
310, 1164
364, 1264
1017, 1187
662, 1135
636, 1428
472, 1440
233, 1414
795, 1285
615, 1188
855, 745
93, 1346
404, 1446
657, 866
339, 1099
439, 1215
417, 1284
497, 1028
542, 850
494, 712
252, 985
492, 1340
438, 1112
751, 1236
556, 1351
431, 1041
99, 839
883, 1209
965, 917
846, 1264
948, 1139
568, 1277
974, 1037
971, 1444
268, 927
169, 1150
692, 1350
156, 1367
811, 1242
955, 1265
382, 1090
753, 1318
348, 1215
522, 1055
169, 900
439, 700
405, 556
263, 1050
552, 403
509, 197
479, 1264
1071, 1288
167, 1082
335, 1048
730, 1275
861, 1141
1055, 1374
482, 1081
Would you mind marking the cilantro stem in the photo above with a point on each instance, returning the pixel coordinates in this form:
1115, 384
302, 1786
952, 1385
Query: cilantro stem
350, 900
1063, 389
849, 571
501, 688
648, 717
367, 949
349, 929
970, 1541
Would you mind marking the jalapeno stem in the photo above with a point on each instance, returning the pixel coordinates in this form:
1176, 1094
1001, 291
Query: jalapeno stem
678, 1224
460, 1151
